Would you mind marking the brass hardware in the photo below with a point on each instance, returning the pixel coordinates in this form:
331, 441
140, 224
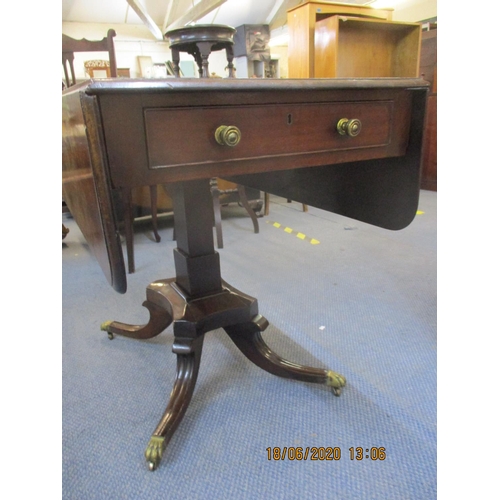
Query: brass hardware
154, 451
349, 127
228, 135
335, 381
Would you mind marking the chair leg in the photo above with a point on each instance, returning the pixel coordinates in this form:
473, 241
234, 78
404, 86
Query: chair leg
246, 205
217, 213
153, 190
266, 203
304, 206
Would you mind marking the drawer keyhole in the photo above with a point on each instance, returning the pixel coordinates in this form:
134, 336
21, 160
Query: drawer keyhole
289, 119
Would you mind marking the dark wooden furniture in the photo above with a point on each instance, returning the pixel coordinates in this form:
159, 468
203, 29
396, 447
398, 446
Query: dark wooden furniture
348, 146
69, 47
354, 47
200, 41
301, 21
428, 71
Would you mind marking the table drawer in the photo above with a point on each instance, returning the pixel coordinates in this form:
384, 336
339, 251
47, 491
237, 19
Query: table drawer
187, 136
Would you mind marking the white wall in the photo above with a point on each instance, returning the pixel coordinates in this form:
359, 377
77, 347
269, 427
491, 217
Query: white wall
136, 40
131, 41
416, 10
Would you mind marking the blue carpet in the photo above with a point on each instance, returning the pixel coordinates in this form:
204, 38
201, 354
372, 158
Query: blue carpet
362, 302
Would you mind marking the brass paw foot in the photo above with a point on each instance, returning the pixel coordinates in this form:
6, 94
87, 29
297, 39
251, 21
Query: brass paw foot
335, 381
105, 328
154, 451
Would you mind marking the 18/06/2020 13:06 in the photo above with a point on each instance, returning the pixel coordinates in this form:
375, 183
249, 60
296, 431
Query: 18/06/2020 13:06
324, 453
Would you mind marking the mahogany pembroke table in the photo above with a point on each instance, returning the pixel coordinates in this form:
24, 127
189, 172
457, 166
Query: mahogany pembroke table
349, 146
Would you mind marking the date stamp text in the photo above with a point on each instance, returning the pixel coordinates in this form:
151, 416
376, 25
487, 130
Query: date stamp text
325, 453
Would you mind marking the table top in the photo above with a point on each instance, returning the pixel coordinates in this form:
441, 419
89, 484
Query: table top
150, 85
201, 33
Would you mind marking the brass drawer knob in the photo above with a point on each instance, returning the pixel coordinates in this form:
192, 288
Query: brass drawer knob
349, 127
228, 135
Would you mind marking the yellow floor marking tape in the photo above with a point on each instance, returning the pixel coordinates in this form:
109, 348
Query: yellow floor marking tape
302, 236
289, 230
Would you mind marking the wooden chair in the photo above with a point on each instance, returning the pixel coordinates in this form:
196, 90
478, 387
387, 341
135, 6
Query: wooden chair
225, 192
69, 47
96, 67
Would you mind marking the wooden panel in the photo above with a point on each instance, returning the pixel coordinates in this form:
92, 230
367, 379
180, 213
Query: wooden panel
329, 8
428, 58
123, 72
406, 61
295, 129
326, 47
86, 186
123, 105
428, 71
301, 43
358, 48
301, 22
383, 192
429, 161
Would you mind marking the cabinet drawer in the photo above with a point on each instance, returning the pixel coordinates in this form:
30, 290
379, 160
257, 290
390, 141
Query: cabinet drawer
186, 136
